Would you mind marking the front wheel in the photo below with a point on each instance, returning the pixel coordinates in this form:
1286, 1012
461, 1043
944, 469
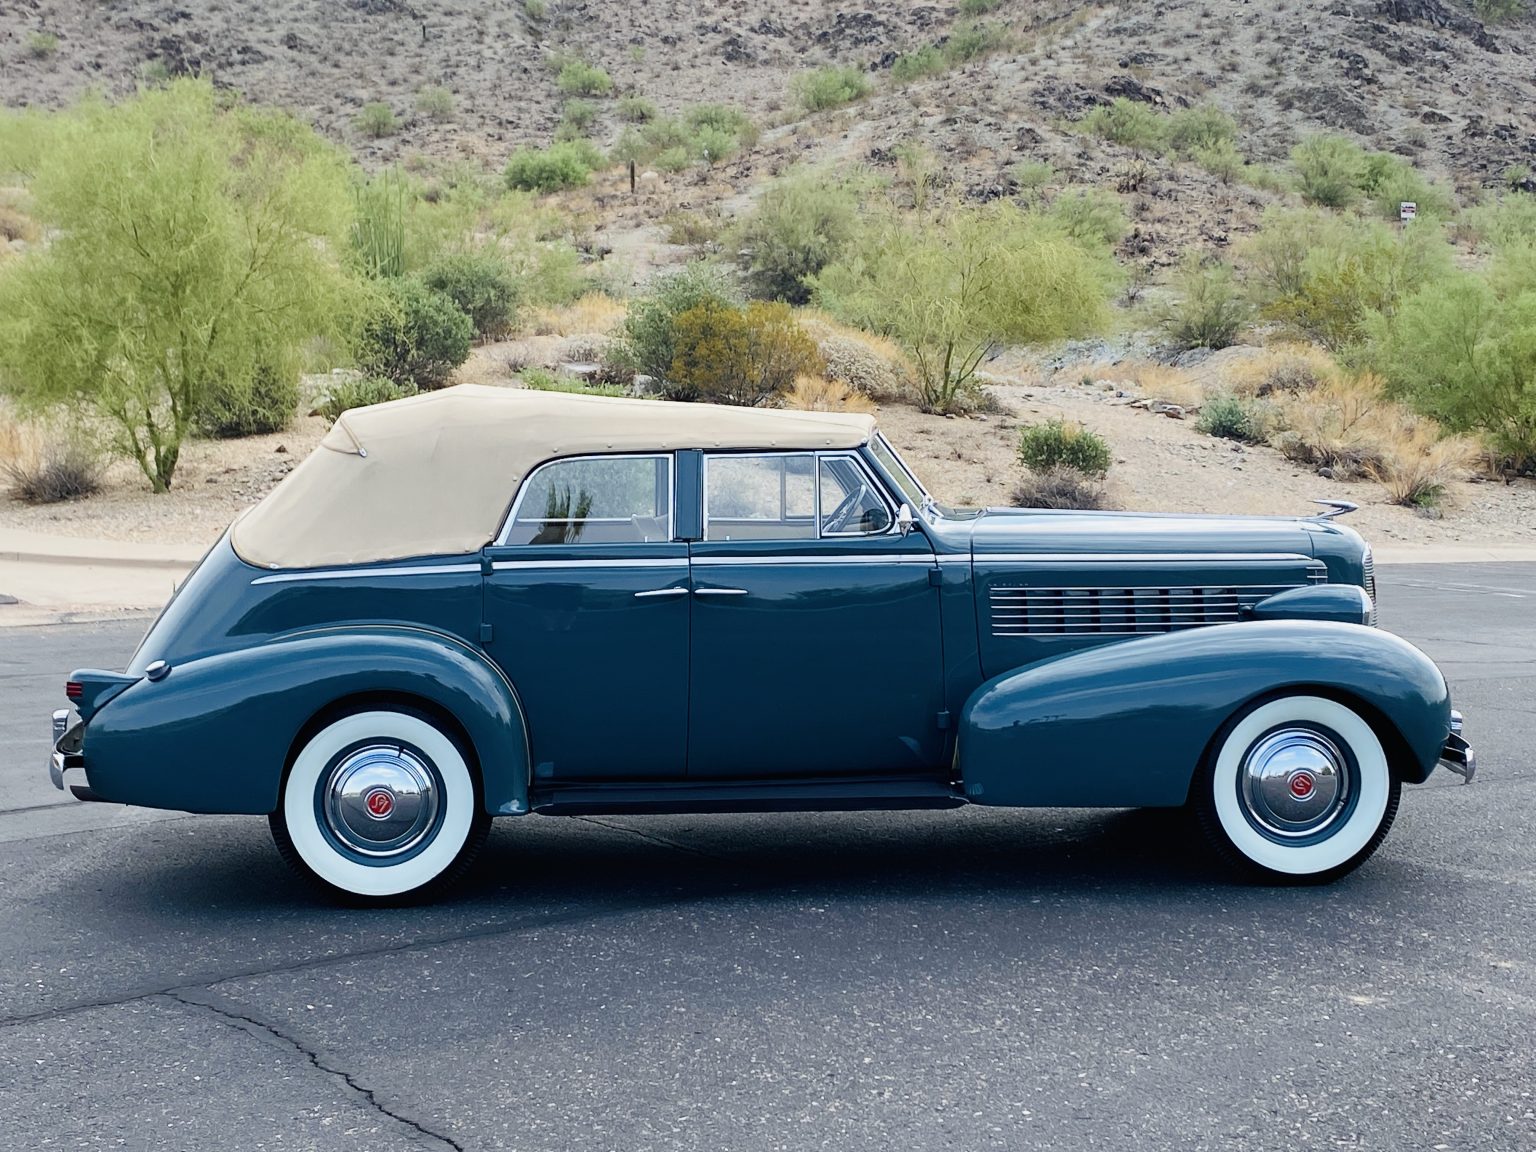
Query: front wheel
379, 806
1298, 790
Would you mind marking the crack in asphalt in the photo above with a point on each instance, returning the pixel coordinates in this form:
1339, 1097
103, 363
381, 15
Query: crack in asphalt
247, 1024
665, 843
315, 963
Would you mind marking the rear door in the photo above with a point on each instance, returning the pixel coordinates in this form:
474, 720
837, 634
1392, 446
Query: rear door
587, 602
815, 633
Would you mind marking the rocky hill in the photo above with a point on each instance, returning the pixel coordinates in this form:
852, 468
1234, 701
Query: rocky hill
1422, 78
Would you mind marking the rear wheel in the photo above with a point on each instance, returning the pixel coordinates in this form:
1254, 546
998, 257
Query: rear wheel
1298, 790
380, 806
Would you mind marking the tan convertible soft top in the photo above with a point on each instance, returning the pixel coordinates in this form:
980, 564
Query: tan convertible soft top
434, 474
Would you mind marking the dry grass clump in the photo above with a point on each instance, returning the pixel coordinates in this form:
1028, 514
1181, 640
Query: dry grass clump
596, 313
14, 225
1282, 368
1349, 426
1059, 488
1418, 469
870, 364
816, 394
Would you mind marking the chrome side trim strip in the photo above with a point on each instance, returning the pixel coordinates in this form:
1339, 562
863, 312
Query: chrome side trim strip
367, 573
1139, 557
925, 560
661, 592
638, 562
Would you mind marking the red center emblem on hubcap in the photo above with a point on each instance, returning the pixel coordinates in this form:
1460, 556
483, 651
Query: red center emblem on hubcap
380, 803
1302, 785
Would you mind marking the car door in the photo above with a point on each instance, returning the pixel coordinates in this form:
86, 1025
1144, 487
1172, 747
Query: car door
815, 633
587, 605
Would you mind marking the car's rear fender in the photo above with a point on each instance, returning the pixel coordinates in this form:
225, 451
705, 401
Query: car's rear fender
1126, 724
216, 734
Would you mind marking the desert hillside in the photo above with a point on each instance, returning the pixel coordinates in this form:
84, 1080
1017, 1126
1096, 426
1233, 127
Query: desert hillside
1424, 77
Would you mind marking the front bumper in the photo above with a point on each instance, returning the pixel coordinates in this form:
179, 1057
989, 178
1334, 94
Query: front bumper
67, 757
1457, 756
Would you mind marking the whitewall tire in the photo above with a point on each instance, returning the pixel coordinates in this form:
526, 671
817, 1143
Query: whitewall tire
1298, 789
380, 805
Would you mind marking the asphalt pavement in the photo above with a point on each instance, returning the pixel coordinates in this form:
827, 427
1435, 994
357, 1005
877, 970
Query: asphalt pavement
970, 980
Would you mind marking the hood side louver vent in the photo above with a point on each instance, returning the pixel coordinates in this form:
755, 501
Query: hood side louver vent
1047, 612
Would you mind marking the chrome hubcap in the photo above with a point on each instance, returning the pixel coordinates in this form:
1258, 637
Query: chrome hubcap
1294, 782
381, 800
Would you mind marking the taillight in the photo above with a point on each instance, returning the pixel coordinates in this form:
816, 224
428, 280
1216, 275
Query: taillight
74, 689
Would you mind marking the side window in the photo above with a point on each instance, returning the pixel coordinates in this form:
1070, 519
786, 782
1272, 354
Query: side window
760, 497
850, 504
595, 500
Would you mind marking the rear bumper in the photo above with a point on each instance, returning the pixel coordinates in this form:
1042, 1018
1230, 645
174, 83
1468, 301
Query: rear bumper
1457, 756
66, 763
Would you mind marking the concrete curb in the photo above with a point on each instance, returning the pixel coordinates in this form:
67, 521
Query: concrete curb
165, 563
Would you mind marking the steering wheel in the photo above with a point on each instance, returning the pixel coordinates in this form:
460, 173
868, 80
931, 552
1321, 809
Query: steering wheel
843, 513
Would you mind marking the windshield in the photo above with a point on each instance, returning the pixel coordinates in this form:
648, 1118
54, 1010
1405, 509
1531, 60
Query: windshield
909, 484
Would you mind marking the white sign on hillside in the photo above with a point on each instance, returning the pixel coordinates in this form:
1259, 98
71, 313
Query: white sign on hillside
1407, 210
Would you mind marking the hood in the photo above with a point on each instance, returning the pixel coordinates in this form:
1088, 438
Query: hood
1032, 530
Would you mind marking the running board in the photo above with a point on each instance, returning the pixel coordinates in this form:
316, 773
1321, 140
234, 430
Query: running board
841, 794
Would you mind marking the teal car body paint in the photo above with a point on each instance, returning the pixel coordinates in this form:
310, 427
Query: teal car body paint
484, 603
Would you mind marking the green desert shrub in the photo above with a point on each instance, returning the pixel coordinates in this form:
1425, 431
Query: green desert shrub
1323, 276
980, 7
1388, 181
576, 78
952, 285
800, 225
483, 287
180, 219
42, 45
649, 341
1222, 160
1089, 214
967, 42
1129, 123
918, 64
1233, 418
830, 87
1056, 444
728, 355
1208, 310
1329, 170
1460, 353
577, 116
565, 164
359, 392
251, 404
377, 120
435, 102
1191, 129
413, 336
636, 110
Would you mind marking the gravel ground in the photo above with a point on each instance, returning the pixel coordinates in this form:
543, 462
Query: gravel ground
1161, 464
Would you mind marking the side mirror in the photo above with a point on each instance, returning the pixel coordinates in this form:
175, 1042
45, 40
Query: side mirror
904, 519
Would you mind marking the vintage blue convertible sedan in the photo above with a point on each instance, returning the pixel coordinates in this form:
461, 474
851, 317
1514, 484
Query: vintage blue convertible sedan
486, 602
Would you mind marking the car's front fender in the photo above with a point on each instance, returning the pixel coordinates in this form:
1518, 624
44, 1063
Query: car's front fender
1126, 724
214, 734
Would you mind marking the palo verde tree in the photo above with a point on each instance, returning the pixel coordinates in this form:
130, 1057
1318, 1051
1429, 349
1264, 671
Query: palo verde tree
193, 240
953, 283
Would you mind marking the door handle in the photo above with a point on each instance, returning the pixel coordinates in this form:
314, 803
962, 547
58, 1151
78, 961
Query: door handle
719, 591
662, 592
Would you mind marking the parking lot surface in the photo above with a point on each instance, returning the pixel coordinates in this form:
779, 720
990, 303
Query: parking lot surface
973, 979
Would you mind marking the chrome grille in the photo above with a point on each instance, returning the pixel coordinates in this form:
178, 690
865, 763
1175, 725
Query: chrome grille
1120, 611
1369, 565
